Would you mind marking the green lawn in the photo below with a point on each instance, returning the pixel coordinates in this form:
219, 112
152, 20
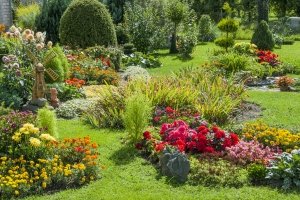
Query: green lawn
281, 108
172, 62
128, 176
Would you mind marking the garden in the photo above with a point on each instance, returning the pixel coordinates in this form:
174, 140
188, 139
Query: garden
150, 99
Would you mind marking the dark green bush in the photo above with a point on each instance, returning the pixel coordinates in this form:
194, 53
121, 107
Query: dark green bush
87, 23
287, 41
122, 34
224, 42
257, 174
49, 18
262, 37
129, 48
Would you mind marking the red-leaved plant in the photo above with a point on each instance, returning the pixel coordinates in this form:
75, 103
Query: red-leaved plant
268, 57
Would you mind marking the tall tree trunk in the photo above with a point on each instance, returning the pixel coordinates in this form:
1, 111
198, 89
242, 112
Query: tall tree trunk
263, 10
173, 47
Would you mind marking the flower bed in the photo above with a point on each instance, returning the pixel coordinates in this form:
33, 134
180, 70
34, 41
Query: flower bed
34, 162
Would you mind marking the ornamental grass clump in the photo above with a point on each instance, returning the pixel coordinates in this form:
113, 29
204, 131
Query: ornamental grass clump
47, 120
137, 116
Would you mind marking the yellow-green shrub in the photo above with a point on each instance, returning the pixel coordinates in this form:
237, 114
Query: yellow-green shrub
26, 15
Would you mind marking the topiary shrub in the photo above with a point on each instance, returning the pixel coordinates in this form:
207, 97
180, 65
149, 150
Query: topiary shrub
227, 26
87, 23
206, 33
262, 37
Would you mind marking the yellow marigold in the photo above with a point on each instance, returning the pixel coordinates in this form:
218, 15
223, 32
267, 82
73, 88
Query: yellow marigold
35, 142
47, 137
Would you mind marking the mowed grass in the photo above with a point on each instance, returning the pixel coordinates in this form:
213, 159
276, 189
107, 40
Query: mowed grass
128, 176
280, 108
173, 62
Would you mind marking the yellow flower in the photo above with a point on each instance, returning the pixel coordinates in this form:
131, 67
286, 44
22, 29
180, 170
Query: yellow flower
17, 192
44, 185
47, 137
35, 142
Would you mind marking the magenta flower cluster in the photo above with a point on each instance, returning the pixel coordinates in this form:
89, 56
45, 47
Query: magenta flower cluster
249, 152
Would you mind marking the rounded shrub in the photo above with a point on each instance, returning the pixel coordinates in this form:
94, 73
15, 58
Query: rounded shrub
262, 37
87, 23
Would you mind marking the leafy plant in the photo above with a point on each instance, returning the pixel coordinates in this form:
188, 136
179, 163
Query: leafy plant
137, 115
142, 60
206, 33
227, 25
26, 15
216, 173
262, 37
67, 92
257, 173
47, 120
284, 83
284, 170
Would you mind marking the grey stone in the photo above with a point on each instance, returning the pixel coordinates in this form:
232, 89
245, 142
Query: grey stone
294, 23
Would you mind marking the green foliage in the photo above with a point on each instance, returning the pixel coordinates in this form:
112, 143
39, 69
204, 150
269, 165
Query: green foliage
129, 48
122, 34
224, 42
116, 8
108, 110
49, 19
147, 24
47, 120
216, 173
227, 26
142, 60
284, 170
206, 33
187, 42
262, 37
231, 62
26, 15
56, 65
257, 173
176, 11
87, 23
4, 110
263, 10
137, 115
66, 92
174, 164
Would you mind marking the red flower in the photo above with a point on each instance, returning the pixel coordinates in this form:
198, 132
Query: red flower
209, 149
180, 144
234, 139
219, 134
160, 146
138, 146
147, 135
227, 143
215, 129
169, 110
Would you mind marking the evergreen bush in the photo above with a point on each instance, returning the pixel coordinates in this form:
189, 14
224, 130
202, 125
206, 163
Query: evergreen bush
262, 37
49, 19
87, 23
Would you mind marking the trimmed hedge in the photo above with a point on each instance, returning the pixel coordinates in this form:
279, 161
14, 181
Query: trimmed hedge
87, 23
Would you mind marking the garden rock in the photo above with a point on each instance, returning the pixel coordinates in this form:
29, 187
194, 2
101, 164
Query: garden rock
294, 23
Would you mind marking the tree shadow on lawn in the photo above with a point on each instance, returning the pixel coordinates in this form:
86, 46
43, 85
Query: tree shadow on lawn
124, 155
174, 56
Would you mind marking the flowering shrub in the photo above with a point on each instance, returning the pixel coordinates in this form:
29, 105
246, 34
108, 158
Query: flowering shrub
272, 137
204, 139
245, 48
268, 57
75, 82
284, 170
249, 152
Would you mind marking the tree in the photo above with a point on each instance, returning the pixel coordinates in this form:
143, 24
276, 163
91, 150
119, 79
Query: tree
176, 12
262, 37
250, 8
263, 10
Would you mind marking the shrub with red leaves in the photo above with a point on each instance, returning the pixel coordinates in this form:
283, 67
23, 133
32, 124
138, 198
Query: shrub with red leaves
268, 57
